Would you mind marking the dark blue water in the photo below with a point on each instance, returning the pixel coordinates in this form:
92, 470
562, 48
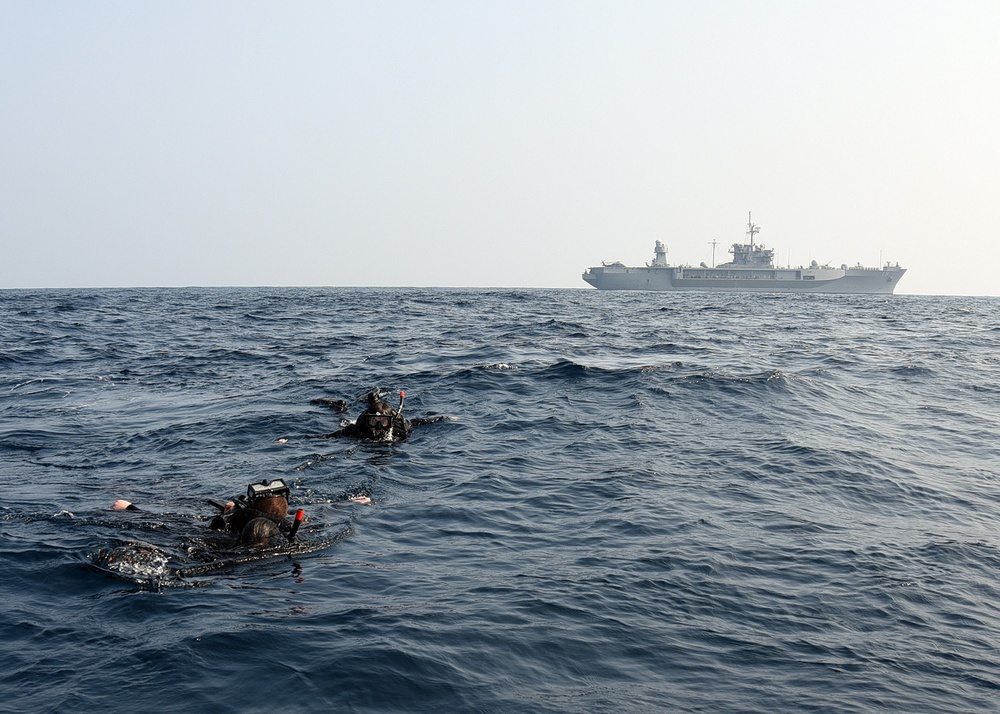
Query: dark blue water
644, 502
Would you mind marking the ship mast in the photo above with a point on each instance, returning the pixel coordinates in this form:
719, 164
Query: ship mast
713, 244
752, 230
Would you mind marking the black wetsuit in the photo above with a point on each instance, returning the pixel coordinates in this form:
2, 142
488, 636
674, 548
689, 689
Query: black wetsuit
379, 422
235, 523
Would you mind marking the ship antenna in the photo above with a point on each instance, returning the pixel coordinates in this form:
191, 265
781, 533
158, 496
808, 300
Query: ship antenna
713, 244
751, 228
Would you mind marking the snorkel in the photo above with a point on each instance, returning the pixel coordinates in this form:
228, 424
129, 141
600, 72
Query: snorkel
299, 516
394, 417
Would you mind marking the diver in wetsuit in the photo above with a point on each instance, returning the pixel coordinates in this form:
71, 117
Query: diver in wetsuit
244, 530
257, 517
379, 421
251, 520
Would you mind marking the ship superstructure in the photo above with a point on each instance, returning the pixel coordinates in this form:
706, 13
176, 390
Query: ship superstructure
752, 269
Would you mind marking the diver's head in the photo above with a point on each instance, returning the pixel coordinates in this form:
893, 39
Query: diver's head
276, 506
377, 421
258, 531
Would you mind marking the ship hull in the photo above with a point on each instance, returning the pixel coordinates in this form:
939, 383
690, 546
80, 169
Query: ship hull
857, 281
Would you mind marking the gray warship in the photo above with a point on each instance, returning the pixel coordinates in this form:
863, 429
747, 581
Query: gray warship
752, 269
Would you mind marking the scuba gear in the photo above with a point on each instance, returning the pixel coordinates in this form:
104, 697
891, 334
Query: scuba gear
299, 516
377, 421
268, 489
380, 422
245, 515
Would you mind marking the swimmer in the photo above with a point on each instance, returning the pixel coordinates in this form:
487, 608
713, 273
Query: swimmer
257, 517
379, 421
252, 519
246, 517
254, 526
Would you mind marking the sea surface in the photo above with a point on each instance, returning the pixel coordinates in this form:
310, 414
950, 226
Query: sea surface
639, 502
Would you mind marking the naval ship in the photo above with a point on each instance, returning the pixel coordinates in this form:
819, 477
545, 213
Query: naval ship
752, 269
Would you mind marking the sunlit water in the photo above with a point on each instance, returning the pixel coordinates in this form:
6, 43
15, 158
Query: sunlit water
643, 502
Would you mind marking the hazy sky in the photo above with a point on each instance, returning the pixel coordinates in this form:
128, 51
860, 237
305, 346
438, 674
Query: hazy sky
493, 143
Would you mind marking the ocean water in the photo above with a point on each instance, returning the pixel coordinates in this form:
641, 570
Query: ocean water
640, 502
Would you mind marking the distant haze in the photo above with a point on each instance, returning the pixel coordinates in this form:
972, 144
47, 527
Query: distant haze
493, 143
